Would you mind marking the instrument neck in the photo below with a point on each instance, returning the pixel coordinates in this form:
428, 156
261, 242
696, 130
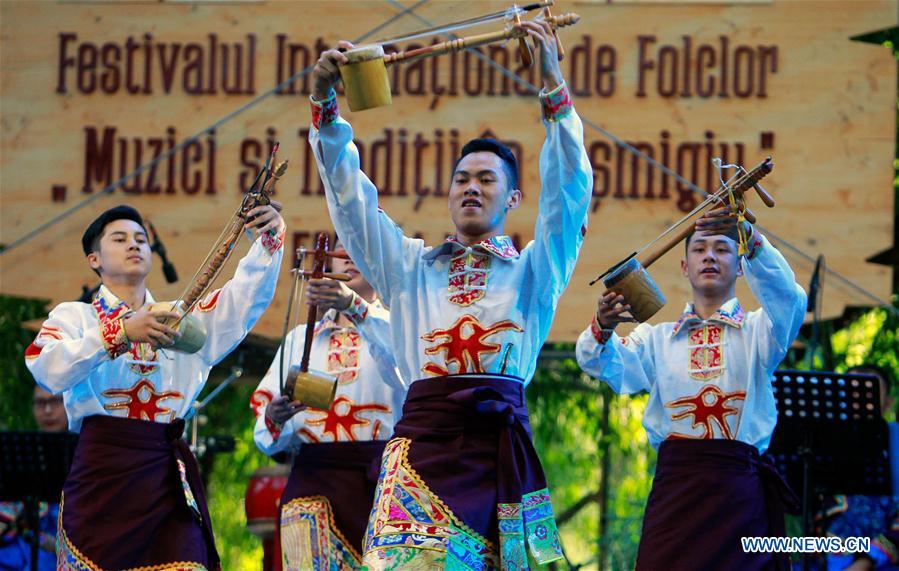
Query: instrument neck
650, 258
311, 320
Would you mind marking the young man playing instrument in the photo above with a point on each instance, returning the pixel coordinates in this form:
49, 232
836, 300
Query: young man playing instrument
133, 497
711, 406
328, 498
461, 486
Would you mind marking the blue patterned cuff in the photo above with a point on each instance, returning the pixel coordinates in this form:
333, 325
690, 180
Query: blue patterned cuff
358, 309
557, 103
324, 112
601, 335
755, 246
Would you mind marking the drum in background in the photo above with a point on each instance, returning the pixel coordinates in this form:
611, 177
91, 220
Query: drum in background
262, 504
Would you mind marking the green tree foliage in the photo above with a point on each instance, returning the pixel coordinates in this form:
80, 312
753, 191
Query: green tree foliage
16, 383
873, 339
230, 472
567, 409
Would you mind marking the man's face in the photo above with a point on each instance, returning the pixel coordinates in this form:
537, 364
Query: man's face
479, 195
49, 411
712, 264
124, 251
341, 266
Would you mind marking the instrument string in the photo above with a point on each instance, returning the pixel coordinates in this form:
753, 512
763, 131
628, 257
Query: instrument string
507, 14
710, 198
452, 27
227, 239
738, 204
288, 323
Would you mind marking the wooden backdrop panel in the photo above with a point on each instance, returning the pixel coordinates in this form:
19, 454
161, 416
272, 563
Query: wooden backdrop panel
76, 115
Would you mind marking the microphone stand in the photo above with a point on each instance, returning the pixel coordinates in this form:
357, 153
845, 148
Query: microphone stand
168, 268
815, 296
193, 415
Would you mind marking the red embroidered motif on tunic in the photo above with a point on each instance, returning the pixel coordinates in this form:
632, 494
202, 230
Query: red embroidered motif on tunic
142, 402
259, 400
208, 304
341, 420
468, 284
705, 411
706, 352
112, 331
51, 332
463, 345
310, 436
47, 332
343, 355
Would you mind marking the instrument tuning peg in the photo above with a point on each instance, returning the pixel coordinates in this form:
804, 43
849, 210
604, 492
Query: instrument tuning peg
561, 49
527, 58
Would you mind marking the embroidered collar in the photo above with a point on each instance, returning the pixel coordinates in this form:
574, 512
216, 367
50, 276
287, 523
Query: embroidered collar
108, 300
500, 246
730, 313
329, 319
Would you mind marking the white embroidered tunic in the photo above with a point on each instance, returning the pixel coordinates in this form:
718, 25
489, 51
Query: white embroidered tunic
454, 309
81, 350
370, 394
708, 379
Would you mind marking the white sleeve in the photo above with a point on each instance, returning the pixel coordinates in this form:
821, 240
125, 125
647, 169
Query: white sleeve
64, 352
374, 242
626, 364
783, 301
229, 313
269, 437
566, 185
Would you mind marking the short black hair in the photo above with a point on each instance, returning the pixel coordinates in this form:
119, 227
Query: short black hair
687, 242
90, 241
510, 163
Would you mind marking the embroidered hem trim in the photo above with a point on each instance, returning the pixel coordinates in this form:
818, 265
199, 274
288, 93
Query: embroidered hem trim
887, 547
430, 528
447, 538
69, 558
332, 550
324, 112
530, 523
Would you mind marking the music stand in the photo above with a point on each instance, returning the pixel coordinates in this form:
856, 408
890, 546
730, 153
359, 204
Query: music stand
33, 468
830, 436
